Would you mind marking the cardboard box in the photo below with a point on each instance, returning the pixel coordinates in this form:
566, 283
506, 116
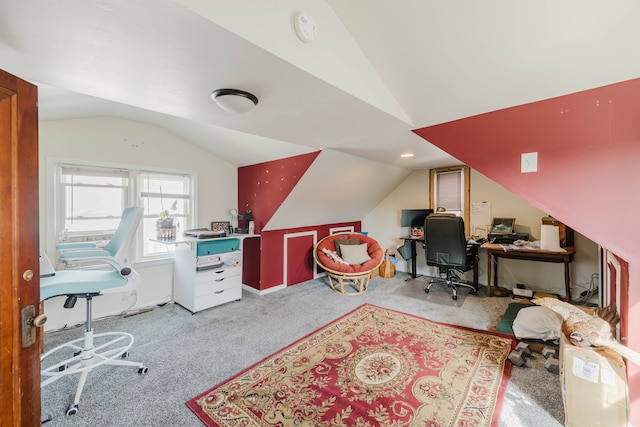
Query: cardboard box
594, 386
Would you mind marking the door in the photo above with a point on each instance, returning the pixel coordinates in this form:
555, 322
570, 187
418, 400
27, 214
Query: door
298, 257
19, 260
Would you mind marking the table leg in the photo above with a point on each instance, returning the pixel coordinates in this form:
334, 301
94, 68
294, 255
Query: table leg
414, 257
567, 282
489, 273
474, 266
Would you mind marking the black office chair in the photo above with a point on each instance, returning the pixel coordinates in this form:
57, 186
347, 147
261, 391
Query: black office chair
447, 248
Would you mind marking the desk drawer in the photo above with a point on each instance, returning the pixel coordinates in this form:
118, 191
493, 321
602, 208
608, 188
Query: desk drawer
217, 285
216, 298
217, 274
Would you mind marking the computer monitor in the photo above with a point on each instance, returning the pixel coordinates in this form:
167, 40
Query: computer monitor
414, 217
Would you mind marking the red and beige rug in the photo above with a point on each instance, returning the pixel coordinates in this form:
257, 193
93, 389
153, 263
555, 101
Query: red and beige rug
371, 367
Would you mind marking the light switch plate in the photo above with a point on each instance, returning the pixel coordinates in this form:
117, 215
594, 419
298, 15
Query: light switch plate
529, 162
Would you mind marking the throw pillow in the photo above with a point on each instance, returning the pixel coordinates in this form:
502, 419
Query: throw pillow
355, 254
338, 242
334, 256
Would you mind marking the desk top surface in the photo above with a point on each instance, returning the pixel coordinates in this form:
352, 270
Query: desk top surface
497, 247
192, 239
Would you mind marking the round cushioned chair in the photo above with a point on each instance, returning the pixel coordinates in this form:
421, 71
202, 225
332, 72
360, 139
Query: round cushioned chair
356, 276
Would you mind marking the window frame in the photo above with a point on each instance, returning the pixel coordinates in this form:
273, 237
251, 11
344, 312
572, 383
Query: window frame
189, 216
55, 199
465, 191
99, 235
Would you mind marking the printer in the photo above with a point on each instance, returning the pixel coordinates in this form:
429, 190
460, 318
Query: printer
507, 238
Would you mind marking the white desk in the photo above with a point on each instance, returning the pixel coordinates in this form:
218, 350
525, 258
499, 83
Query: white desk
207, 272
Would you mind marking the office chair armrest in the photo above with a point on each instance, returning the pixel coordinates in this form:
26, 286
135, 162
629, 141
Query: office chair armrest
64, 247
98, 257
84, 255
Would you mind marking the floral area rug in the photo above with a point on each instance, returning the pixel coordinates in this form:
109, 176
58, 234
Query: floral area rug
371, 367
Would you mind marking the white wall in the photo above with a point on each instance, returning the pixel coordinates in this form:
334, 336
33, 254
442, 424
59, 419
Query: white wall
336, 177
383, 223
117, 141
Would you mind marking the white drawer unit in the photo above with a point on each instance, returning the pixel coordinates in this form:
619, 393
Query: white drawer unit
208, 272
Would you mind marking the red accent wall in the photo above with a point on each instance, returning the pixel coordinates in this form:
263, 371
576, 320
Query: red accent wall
588, 146
272, 256
263, 187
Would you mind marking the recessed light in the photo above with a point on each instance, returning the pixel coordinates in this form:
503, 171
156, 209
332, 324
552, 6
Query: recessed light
406, 155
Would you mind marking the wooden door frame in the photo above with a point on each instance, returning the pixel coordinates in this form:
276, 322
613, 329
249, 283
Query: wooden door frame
19, 250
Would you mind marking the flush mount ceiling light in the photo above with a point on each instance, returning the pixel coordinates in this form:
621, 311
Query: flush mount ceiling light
406, 155
234, 100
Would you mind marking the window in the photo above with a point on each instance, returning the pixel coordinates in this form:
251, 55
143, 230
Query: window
163, 192
90, 199
450, 191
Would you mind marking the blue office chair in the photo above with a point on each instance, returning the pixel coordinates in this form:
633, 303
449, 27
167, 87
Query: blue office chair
84, 354
117, 248
448, 249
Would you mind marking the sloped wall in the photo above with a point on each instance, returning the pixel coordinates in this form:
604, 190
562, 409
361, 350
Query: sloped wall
588, 146
330, 189
317, 188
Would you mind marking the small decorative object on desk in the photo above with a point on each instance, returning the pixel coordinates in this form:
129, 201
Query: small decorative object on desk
503, 225
244, 222
220, 226
166, 227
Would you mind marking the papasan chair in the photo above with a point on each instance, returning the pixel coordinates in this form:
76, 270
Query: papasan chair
349, 259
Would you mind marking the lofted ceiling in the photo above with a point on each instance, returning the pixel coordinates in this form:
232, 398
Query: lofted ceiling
376, 71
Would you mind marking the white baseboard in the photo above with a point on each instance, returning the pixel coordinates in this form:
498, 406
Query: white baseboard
265, 291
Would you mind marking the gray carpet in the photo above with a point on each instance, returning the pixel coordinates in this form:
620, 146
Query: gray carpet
188, 354
438, 293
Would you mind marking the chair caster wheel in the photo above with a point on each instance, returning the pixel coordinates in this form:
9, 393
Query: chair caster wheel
143, 370
426, 291
125, 355
73, 409
63, 367
455, 297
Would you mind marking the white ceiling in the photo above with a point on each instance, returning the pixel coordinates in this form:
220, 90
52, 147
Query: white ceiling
377, 70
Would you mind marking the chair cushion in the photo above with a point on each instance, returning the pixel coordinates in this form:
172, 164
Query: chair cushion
373, 250
69, 282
